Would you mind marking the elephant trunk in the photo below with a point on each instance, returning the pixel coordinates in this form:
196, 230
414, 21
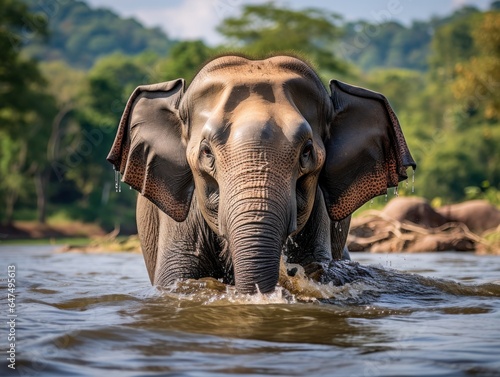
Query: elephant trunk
256, 230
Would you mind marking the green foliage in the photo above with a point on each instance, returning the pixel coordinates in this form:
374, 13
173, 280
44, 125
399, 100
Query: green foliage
19, 76
484, 192
386, 45
477, 80
460, 160
398, 85
108, 85
184, 60
24, 106
263, 30
81, 35
58, 118
452, 43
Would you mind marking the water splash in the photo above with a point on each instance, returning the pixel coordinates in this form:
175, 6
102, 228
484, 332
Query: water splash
341, 283
305, 289
344, 283
118, 186
294, 285
210, 291
290, 241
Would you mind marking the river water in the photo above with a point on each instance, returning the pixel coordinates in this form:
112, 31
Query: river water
435, 314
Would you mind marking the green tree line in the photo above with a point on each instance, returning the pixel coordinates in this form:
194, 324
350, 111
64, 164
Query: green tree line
61, 97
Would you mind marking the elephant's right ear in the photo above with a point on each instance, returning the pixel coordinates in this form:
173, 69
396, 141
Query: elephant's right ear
148, 149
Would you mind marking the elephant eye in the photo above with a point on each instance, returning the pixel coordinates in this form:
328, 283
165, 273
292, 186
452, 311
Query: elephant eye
205, 149
306, 153
206, 154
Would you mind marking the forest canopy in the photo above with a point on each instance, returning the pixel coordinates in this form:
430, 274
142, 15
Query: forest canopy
66, 71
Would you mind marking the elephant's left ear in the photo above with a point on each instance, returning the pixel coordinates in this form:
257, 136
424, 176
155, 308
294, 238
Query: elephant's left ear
148, 149
366, 152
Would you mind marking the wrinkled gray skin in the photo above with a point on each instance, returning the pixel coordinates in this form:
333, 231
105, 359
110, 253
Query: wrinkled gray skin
252, 160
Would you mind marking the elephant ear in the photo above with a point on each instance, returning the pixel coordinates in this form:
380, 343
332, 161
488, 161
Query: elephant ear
366, 152
148, 149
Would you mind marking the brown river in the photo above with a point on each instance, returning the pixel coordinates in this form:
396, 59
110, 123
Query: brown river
72, 314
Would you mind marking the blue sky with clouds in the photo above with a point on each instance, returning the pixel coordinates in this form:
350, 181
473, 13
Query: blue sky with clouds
194, 19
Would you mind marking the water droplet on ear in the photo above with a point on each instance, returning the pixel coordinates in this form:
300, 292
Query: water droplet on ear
118, 186
413, 182
336, 224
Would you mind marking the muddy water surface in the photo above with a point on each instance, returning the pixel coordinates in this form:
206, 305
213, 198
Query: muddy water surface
434, 314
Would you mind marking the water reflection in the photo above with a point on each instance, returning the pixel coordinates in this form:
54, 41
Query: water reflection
97, 314
274, 323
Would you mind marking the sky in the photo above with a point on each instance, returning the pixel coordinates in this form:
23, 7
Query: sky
197, 19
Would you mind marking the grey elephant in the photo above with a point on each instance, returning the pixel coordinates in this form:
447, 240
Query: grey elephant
252, 160
479, 215
415, 210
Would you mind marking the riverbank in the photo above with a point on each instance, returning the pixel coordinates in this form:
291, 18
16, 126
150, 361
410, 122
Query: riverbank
376, 232
411, 224
405, 224
32, 230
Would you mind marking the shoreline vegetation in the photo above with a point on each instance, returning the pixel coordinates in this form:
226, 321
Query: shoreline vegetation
68, 72
405, 224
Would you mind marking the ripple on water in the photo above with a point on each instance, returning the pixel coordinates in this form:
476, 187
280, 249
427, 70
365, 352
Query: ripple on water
84, 318
342, 283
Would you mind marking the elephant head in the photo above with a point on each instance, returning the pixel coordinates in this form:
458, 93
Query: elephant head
256, 142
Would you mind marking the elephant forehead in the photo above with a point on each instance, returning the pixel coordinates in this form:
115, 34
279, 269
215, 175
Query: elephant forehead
267, 84
270, 66
232, 79
287, 98
283, 92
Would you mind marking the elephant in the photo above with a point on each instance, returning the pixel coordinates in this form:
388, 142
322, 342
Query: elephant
253, 160
416, 210
478, 215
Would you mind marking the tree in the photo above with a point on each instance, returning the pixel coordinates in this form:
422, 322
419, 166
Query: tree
452, 43
12, 161
83, 166
263, 30
18, 75
477, 82
23, 104
463, 159
184, 60
65, 85
80, 35
461, 147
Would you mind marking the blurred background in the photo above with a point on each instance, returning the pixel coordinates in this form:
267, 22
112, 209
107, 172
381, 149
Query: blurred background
67, 68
